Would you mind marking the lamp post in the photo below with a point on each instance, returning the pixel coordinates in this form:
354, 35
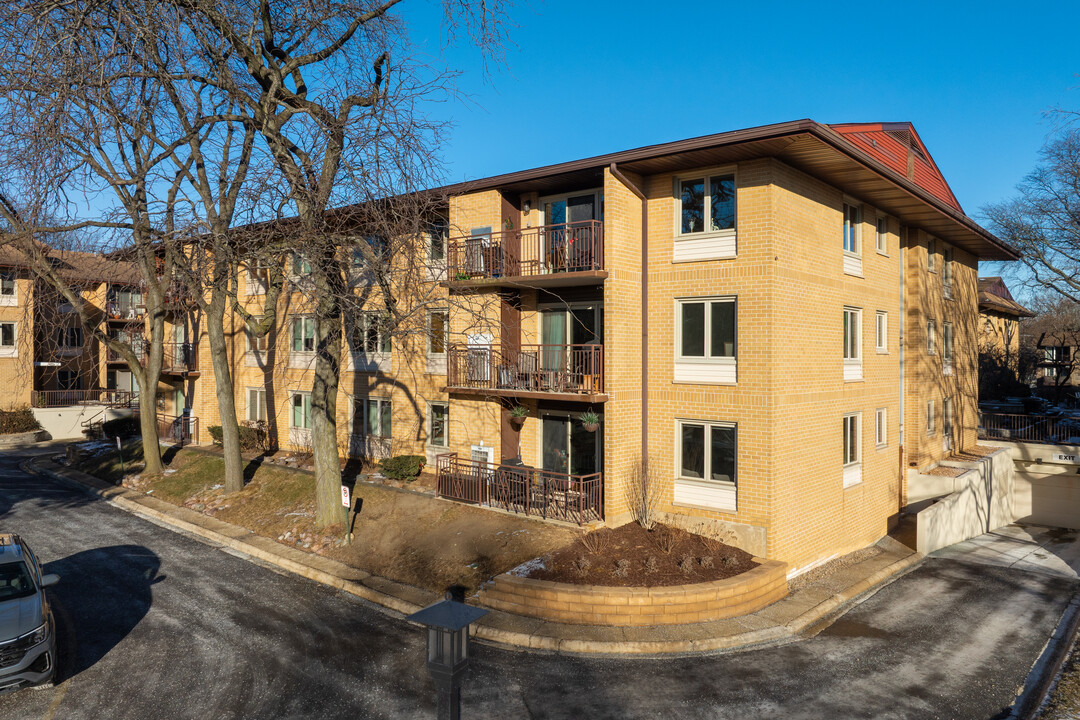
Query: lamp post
447, 624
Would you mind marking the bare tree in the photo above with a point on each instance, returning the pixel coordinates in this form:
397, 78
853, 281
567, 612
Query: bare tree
1053, 335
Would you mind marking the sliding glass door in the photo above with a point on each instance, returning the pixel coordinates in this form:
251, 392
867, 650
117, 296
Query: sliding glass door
569, 448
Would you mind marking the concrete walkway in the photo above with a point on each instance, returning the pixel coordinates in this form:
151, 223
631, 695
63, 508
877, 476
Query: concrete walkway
812, 606
1033, 548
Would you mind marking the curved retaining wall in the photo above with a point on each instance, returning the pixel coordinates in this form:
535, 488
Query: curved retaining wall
19, 439
621, 606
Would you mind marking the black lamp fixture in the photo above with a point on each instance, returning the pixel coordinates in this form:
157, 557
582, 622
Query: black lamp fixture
447, 624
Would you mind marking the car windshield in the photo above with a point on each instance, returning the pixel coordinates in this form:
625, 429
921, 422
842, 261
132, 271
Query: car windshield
15, 581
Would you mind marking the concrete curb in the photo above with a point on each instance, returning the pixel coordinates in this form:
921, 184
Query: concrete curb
405, 599
1045, 671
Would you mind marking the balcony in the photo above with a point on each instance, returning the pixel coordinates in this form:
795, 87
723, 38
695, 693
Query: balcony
551, 495
561, 372
180, 359
546, 256
124, 311
89, 396
113, 356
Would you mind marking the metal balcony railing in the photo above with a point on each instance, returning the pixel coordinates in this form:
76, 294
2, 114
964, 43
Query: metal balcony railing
544, 250
568, 369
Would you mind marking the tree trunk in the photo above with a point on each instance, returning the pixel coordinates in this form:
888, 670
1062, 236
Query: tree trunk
328, 507
148, 425
226, 397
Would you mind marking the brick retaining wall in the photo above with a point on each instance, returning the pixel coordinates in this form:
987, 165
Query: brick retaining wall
621, 606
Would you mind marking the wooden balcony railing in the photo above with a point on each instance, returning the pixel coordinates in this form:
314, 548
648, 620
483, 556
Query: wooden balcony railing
89, 396
518, 488
544, 250
571, 369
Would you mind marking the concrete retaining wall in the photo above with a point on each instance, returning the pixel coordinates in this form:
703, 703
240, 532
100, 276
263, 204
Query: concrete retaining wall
619, 606
66, 423
982, 502
1047, 486
20, 439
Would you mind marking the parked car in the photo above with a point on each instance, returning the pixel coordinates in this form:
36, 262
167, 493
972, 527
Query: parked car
27, 629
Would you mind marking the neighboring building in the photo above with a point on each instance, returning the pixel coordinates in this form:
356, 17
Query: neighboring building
782, 320
999, 319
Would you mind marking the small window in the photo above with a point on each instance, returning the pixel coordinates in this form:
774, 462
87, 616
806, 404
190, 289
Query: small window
881, 331
947, 343
257, 343
930, 417
931, 337
883, 235
258, 280
881, 427
7, 284
372, 416
437, 234
71, 337
303, 334
707, 204
7, 334
707, 451
707, 328
68, 380
439, 420
852, 333
256, 404
300, 265
301, 410
931, 255
947, 272
851, 439
852, 221
437, 332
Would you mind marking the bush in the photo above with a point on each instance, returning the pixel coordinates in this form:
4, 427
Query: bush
19, 420
403, 467
253, 436
122, 427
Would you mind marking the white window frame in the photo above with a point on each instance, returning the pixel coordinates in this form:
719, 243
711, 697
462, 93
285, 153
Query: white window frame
304, 321
299, 265
431, 332
851, 447
881, 331
305, 409
12, 349
931, 254
254, 410
852, 363
931, 412
881, 427
383, 340
706, 177
931, 337
882, 238
9, 288
708, 303
947, 272
431, 425
706, 451
852, 225
948, 339
363, 428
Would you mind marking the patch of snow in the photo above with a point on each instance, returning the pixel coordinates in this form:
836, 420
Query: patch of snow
212, 487
168, 472
527, 568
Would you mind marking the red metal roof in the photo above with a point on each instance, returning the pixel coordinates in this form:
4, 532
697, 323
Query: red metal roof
898, 146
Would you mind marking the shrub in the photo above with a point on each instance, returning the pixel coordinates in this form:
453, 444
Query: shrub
19, 420
121, 427
253, 436
403, 467
215, 433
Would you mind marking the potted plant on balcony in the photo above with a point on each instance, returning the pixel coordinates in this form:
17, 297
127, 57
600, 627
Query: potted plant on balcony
590, 421
518, 413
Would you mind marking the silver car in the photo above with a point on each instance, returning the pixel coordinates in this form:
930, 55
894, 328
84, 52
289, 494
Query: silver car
27, 637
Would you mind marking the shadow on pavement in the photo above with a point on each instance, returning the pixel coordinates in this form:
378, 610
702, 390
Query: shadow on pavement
102, 595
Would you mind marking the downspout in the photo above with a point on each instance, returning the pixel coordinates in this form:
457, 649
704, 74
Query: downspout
901, 250
644, 308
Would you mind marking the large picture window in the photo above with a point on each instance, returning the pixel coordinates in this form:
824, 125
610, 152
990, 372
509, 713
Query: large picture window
707, 451
372, 416
707, 204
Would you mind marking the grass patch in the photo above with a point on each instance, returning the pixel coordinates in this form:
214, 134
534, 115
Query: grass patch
106, 464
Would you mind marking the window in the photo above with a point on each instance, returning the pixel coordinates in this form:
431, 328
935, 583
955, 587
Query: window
303, 334
1057, 353
931, 254
852, 220
707, 328
1050, 372
71, 337
707, 204
437, 332
300, 265
931, 336
301, 410
7, 284
930, 417
256, 404
372, 416
437, 233
256, 343
7, 335
707, 451
369, 337
68, 380
439, 419
258, 280
851, 439
947, 346
947, 272
852, 332
881, 331
883, 235
881, 427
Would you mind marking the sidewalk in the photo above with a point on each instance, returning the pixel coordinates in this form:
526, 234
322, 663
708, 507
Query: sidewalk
810, 607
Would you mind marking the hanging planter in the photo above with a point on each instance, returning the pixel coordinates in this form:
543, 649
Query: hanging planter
590, 421
518, 414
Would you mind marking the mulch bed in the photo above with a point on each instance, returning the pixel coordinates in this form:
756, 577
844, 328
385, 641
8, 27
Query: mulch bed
630, 556
976, 452
943, 471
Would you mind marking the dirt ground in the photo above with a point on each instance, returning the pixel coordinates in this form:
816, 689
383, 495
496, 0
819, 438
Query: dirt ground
402, 534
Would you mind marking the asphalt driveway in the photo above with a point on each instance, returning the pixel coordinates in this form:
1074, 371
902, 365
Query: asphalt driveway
154, 624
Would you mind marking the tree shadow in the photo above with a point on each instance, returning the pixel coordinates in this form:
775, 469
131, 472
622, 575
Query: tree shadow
102, 595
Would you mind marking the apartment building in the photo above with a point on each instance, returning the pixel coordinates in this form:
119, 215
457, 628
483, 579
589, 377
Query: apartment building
999, 318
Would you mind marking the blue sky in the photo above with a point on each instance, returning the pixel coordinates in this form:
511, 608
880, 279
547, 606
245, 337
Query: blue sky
592, 77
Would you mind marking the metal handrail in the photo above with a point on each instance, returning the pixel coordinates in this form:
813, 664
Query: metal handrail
574, 369
543, 250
